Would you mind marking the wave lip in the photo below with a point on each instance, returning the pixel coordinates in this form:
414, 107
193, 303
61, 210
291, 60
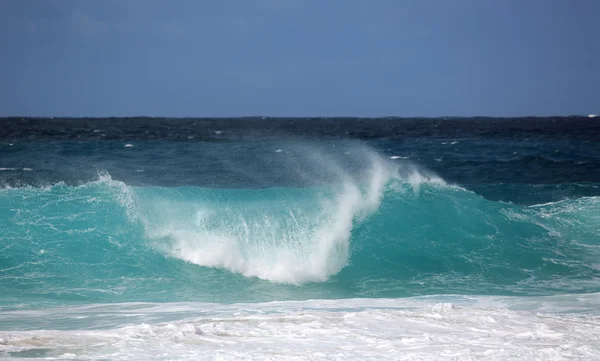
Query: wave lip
305, 239
366, 227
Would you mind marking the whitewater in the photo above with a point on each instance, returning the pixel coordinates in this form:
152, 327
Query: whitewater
304, 248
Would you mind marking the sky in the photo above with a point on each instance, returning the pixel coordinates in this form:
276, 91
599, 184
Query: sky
216, 58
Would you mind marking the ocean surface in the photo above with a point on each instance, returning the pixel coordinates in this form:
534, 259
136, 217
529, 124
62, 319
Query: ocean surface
300, 239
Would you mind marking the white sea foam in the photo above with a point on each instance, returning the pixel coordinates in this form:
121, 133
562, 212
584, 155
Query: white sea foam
414, 177
15, 169
429, 328
272, 239
280, 243
287, 242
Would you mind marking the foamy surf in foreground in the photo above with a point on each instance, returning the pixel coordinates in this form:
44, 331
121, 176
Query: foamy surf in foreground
429, 328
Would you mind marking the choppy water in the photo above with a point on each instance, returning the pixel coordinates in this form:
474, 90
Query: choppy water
485, 245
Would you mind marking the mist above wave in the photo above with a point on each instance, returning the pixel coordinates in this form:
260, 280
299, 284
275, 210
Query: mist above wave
283, 236
366, 226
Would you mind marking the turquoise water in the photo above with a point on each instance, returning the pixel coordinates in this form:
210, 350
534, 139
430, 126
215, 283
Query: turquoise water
408, 248
389, 235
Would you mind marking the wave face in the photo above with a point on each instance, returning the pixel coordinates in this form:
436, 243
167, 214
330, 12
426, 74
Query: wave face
444, 239
361, 226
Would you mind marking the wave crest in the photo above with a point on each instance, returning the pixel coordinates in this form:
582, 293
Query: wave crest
288, 239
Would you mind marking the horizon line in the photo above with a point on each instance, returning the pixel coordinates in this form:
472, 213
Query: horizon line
296, 117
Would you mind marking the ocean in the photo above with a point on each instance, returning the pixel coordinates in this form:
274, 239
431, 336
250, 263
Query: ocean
300, 239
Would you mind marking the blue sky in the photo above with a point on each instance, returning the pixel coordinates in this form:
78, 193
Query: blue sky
299, 58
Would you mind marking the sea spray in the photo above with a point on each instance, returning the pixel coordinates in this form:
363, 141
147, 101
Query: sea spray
288, 239
459, 239
361, 226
